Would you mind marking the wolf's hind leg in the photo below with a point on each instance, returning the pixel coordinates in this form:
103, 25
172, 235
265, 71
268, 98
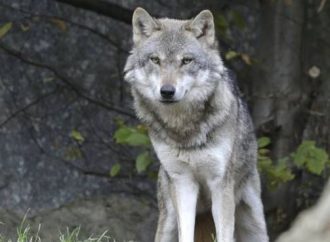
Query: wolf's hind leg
167, 225
250, 222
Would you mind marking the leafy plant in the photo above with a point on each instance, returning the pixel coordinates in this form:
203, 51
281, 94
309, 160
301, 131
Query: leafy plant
137, 137
310, 157
276, 174
307, 157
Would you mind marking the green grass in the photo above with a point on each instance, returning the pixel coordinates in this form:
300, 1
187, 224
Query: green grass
73, 236
25, 234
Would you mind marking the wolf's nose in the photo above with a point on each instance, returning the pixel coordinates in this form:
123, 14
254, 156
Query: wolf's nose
167, 91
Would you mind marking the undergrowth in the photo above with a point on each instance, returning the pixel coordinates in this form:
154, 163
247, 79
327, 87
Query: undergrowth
25, 234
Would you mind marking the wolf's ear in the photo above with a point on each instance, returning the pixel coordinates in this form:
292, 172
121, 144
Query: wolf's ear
203, 27
143, 25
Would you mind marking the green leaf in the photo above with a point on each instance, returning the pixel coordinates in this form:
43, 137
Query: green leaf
283, 172
275, 174
316, 164
115, 169
132, 136
122, 134
264, 163
263, 151
231, 55
136, 139
77, 136
311, 157
299, 157
143, 161
5, 28
263, 142
316, 167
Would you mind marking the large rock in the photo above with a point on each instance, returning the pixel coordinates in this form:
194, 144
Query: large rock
126, 218
312, 225
61, 71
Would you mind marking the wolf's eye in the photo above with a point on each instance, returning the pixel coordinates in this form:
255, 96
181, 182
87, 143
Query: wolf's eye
155, 60
186, 60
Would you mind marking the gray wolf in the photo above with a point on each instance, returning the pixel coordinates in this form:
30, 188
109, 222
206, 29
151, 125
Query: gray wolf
200, 129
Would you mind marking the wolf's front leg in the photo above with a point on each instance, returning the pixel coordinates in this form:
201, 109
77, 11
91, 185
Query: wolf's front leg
184, 194
223, 210
167, 226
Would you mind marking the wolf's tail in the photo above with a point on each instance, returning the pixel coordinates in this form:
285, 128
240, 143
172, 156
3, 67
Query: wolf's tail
204, 228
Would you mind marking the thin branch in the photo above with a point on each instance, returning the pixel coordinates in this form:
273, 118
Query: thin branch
65, 80
26, 107
102, 7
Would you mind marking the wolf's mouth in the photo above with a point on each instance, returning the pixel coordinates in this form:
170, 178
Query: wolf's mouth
168, 101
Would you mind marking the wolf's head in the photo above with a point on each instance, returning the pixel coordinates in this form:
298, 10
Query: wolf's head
173, 60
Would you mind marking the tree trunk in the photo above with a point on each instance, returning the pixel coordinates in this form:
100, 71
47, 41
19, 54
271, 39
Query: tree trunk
278, 86
279, 98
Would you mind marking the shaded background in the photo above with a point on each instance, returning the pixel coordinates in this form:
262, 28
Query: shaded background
62, 94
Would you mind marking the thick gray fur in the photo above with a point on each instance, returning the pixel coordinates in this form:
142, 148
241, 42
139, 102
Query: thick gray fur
204, 139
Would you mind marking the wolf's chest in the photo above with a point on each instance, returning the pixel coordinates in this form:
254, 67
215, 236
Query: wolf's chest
199, 163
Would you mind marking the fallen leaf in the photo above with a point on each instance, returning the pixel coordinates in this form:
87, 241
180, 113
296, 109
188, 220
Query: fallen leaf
231, 55
60, 24
24, 27
5, 28
246, 58
77, 136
